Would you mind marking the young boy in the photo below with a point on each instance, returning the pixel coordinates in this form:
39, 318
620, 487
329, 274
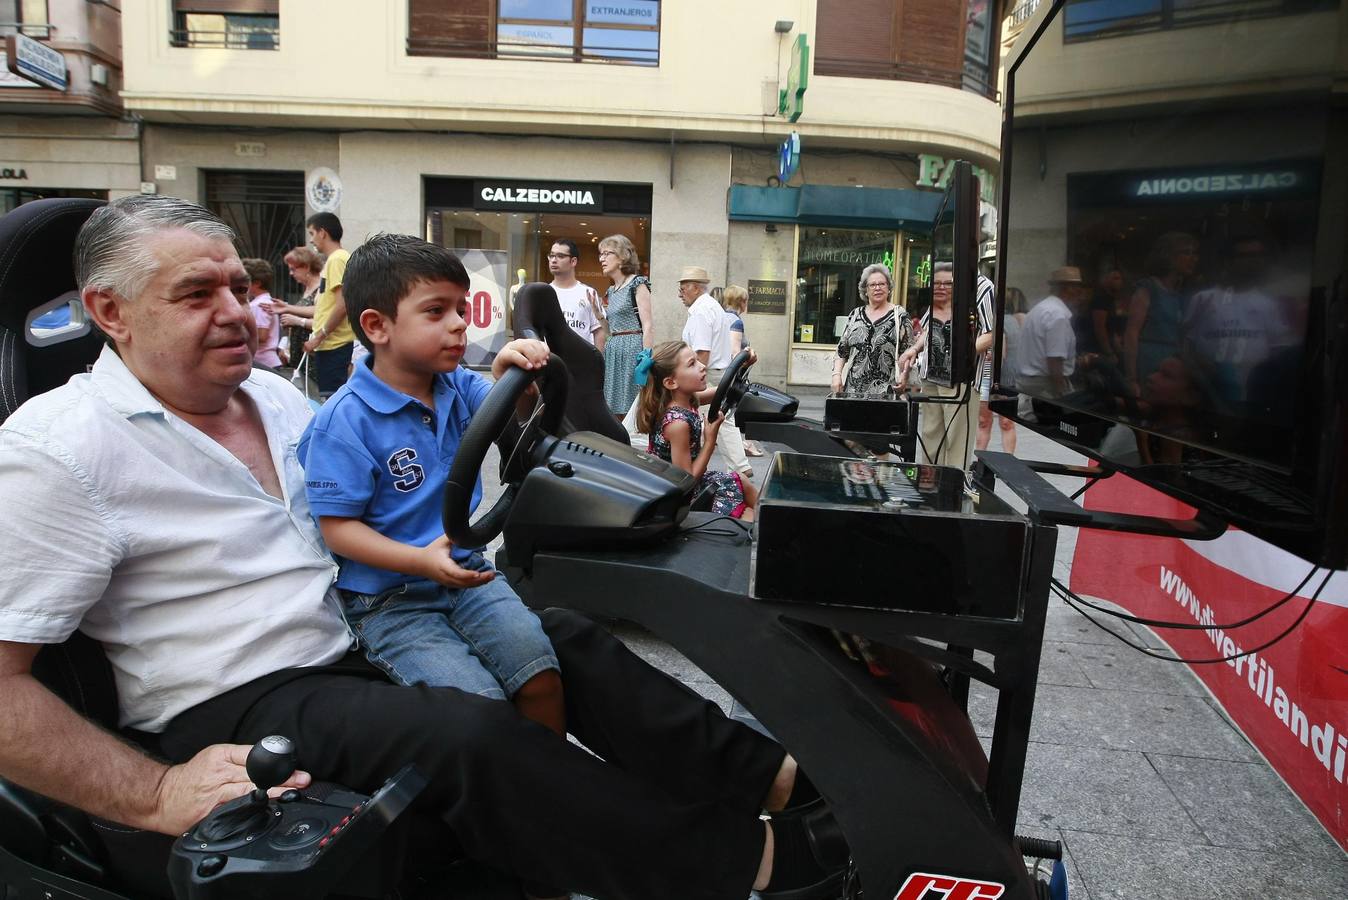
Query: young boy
375, 460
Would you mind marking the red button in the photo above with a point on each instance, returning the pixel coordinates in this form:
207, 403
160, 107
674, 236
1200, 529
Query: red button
344, 821
324, 842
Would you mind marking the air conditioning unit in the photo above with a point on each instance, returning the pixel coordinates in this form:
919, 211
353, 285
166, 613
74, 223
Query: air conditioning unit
98, 74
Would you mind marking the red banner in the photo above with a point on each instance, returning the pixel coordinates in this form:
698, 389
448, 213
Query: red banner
1290, 700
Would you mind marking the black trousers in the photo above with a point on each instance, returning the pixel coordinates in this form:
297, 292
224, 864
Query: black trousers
670, 811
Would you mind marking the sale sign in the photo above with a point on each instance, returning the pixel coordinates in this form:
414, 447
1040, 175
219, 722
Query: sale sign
486, 304
1237, 594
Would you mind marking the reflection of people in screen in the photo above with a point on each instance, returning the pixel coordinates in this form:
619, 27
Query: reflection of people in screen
1176, 397
1157, 306
1109, 315
1046, 350
1239, 323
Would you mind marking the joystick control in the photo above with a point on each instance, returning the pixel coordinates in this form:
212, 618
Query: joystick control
299, 845
271, 762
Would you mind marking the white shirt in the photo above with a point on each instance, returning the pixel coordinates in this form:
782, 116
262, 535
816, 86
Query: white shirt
1047, 333
577, 310
127, 523
707, 329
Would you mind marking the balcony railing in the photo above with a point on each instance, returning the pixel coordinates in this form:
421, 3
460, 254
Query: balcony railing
39, 30
897, 71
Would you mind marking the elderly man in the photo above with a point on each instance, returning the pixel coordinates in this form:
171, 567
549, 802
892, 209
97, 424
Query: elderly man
157, 505
707, 331
1047, 346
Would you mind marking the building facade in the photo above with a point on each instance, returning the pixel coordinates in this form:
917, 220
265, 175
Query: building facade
71, 141
501, 125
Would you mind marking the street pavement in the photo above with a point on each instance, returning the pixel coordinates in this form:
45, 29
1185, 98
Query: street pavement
1132, 764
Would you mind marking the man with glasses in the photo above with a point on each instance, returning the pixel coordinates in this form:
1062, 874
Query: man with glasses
580, 302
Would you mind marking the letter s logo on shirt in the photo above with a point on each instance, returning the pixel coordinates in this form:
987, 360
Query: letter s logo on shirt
409, 475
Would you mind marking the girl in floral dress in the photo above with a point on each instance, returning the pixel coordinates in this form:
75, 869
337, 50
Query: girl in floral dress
672, 377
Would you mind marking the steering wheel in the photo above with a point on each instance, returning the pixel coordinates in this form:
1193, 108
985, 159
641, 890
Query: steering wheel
488, 423
734, 382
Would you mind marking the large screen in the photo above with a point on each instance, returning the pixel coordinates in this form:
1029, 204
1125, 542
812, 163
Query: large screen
1171, 254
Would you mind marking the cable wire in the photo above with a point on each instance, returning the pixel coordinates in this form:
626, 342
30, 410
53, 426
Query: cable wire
1186, 626
1214, 660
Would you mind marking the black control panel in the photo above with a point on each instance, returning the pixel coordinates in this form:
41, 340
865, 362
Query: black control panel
884, 535
297, 845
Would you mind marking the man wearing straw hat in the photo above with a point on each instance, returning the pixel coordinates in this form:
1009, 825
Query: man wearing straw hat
708, 333
1047, 347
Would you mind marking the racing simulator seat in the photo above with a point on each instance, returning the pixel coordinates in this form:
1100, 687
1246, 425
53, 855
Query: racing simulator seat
859, 670
49, 850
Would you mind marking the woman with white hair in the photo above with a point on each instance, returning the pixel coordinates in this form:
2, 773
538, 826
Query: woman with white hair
875, 334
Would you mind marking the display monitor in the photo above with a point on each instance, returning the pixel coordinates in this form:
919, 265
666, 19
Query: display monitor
1173, 196
954, 278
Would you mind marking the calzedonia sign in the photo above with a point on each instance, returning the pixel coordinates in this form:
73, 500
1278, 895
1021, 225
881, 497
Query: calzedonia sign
538, 196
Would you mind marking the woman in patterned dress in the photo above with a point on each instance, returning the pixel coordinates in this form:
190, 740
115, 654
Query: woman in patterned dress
628, 312
874, 336
672, 377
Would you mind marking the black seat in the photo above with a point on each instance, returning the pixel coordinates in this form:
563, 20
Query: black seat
48, 849
35, 269
539, 314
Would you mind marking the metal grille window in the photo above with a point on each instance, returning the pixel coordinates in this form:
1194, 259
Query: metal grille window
266, 211
1085, 20
27, 17
226, 24
625, 32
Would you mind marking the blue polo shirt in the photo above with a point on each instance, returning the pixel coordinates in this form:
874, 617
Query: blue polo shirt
375, 454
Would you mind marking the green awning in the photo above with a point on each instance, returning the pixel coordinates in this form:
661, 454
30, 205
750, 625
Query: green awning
887, 209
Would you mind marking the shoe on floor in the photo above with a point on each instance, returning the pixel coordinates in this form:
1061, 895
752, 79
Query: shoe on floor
810, 855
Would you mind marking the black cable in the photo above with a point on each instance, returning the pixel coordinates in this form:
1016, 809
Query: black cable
1185, 626
1220, 659
1081, 490
745, 529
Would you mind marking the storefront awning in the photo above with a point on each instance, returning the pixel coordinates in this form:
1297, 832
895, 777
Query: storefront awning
853, 207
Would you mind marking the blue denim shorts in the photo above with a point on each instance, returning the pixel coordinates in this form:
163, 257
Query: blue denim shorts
482, 640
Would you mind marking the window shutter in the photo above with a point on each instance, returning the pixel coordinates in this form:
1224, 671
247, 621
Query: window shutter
449, 27
229, 7
855, 37
931, 41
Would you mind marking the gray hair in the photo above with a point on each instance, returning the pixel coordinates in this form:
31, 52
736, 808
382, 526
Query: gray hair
870, 270
111, 253
942, 267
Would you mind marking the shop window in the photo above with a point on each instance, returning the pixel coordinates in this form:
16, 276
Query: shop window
226, 24
28, 17
829, 262
559, 30
1089, 19
949, 42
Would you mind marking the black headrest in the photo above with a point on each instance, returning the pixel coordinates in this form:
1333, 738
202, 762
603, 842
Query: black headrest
539, 313
36, 267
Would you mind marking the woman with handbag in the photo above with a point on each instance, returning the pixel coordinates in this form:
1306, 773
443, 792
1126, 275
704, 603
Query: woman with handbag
628, 310
875, 334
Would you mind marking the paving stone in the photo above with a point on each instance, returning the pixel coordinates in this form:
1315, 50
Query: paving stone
1122, 868
1121, 720
1104, 791
1123, 668
1059, 665
1244, 805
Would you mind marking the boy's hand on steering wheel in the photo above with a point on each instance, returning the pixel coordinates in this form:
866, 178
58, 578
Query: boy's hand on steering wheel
439, 566
524, 353
190, 790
